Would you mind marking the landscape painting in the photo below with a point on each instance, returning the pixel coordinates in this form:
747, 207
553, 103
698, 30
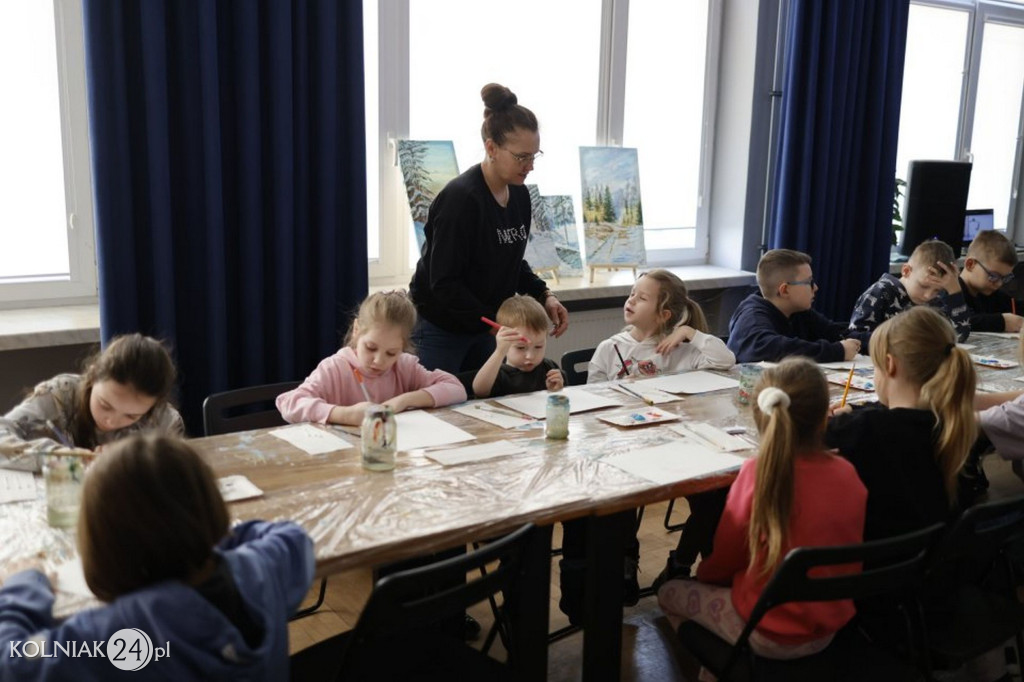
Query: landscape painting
613, 220
565, 235
427, 166
540, 249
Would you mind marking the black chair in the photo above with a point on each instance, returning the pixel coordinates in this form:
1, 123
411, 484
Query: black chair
891, 567
570, 361
969, 600
244, 409
396, 638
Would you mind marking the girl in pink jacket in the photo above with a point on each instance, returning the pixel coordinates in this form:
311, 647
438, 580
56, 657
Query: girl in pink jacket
375, 353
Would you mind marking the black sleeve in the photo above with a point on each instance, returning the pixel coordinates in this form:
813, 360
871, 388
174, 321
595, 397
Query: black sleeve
450, 217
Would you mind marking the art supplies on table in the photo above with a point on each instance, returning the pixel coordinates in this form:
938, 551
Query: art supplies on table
16, 486
651, 396
857, 380
713, 436
309, 438
236, 488
475, 453
419, 429
651, 415
857, 361
535, 404
674, 462
697, 381
501, 417
993, 363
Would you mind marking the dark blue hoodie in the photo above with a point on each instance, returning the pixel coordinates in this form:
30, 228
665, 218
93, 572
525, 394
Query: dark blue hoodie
759, 331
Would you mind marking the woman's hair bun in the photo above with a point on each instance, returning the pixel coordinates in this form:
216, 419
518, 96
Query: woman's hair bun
497, 98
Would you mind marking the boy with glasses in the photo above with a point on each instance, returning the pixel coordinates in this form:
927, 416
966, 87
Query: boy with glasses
930, 278
991, 258
778, 321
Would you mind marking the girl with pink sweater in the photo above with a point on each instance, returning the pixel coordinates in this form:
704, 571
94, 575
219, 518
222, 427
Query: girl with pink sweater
375, 351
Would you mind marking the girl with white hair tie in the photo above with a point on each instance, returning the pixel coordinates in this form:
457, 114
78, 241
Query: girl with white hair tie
793, 494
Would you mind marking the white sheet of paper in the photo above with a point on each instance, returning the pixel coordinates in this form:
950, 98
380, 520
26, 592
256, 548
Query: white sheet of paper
311, 439
580, 400
858, 360
965, 346
652, 394
713, 435
675, 461
71, 578
1000, 335
237, 487
689, 382
419, 429
16, 486
475, 453
492, 415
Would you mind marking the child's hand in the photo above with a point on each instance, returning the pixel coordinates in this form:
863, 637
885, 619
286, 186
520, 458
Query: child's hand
506, 338
554, 380
400, 403
945, 275
850, 348
681, 334
348, 415
1013, 322
835, 409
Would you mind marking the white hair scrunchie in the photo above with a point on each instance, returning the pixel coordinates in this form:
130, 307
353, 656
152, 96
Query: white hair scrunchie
770, 397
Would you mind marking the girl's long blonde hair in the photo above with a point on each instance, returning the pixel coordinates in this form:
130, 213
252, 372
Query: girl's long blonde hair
390, 308
672, 296
785, 430
923, 343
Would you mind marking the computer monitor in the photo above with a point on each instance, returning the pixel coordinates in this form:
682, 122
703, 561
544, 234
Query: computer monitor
977, 220
935, 203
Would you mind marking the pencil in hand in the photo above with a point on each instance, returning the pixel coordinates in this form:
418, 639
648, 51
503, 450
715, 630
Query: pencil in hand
846, 390
359, 378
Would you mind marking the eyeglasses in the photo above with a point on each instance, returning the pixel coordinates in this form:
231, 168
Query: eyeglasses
995, 276
525, 159
805, 282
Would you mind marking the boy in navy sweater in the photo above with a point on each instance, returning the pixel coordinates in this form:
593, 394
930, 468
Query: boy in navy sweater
991, 258
778, 321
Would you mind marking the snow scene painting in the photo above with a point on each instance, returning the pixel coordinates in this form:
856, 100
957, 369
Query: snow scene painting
565, 236
613, 216
427, 166
540, 250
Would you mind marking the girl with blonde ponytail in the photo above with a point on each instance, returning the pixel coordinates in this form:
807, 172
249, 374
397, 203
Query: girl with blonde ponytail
793, 494
909, 447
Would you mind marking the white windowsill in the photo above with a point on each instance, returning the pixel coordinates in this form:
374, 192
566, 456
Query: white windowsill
52, 326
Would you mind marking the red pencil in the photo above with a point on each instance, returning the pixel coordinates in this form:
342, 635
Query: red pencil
494, 324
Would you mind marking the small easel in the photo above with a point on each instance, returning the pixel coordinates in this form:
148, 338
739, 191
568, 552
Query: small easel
553, 270
612, 268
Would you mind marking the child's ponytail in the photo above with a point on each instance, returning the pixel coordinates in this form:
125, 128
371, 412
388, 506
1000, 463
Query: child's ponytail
944, 394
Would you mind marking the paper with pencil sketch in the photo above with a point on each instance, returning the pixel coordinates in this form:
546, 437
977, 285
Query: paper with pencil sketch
16, 486
697, 381
713, 435
311, 439
475, 453
673, 462
646, 393
493, 414
535, 404
419, 429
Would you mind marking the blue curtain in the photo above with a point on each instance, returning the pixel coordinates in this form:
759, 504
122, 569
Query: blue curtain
229, 182
837, 162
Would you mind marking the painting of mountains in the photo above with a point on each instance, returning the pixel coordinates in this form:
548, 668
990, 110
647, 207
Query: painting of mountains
613, 215
427, 166
553, 240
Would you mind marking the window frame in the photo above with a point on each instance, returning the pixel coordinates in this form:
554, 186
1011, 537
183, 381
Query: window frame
390, 268
80, 287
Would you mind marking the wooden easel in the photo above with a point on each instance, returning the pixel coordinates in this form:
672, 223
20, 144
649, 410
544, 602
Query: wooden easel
552, 270
612, 268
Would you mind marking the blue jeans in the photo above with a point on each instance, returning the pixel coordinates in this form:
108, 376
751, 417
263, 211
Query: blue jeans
452, 352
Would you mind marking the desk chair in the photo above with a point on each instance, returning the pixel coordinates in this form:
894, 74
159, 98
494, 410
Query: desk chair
969, 600
395, 637
244, 409
570, 361
895, 564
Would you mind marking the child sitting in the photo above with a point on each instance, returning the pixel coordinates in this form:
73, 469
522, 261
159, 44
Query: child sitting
517, 364
991, 258
779, 321
929, 278
1003, 425
793, 494
666, 333
376, 348
154, 541
122, 391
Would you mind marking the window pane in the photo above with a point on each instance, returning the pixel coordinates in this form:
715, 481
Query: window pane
932, 81
545, 52
663, 115
31, 165
370, 61
997, 118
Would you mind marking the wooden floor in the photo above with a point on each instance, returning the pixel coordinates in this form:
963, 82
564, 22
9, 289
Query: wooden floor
649, 652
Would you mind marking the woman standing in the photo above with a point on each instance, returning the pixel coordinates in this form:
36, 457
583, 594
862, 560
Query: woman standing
476, 234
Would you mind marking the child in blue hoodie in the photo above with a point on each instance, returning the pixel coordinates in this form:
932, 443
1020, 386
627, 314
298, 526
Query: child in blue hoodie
155, 544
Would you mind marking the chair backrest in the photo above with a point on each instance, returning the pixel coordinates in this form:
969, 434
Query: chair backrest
571, 359
891, 565
416, 598
244, 409
980, 533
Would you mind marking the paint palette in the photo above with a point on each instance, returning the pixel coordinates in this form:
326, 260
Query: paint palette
861, 383
994, 363
651, 415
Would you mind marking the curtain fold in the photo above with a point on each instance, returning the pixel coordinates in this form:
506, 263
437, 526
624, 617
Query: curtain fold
229, 182
839, 124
